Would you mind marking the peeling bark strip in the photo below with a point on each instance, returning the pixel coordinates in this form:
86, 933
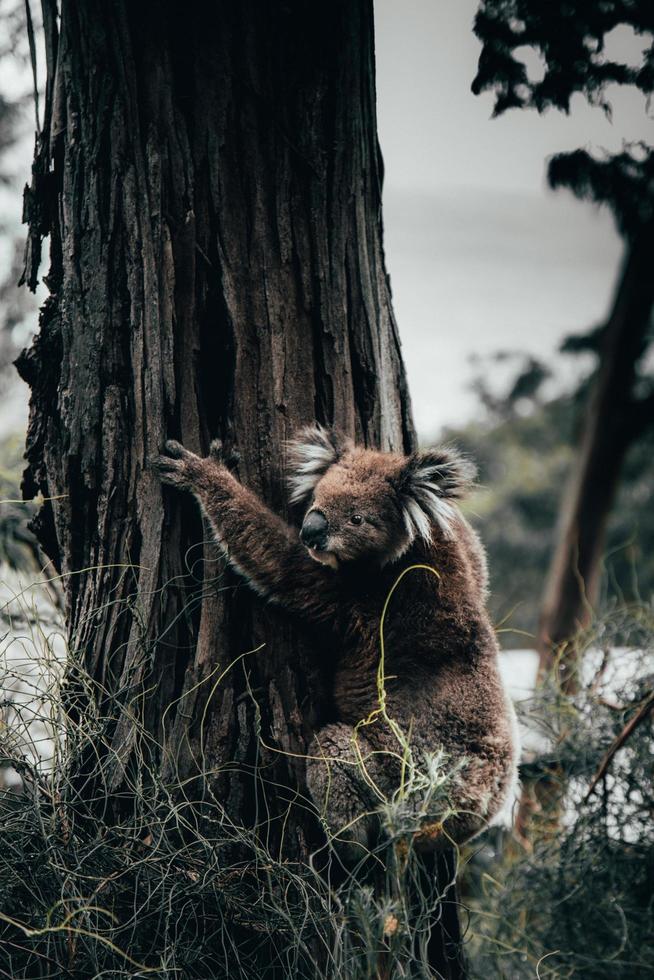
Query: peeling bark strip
210, 180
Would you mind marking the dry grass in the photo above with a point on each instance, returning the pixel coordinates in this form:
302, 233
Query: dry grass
163, 883
581, 902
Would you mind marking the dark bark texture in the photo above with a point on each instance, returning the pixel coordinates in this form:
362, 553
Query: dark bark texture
210, 180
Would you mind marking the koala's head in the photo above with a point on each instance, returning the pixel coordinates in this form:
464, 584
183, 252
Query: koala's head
367, 505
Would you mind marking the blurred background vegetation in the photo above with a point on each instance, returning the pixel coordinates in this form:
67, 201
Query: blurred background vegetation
525, 446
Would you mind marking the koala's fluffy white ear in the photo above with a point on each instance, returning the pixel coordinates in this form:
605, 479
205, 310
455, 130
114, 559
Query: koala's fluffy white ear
429, 479
313, 450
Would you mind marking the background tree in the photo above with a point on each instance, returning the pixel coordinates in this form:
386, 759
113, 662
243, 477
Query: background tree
210, 182
525, 450
570, 40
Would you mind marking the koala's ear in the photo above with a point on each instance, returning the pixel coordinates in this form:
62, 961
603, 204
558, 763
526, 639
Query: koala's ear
313, 450
429, 479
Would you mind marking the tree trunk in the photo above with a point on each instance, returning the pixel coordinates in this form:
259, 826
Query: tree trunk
210, 179
613, 419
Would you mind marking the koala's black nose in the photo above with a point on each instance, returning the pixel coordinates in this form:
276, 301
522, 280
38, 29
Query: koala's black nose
314, 530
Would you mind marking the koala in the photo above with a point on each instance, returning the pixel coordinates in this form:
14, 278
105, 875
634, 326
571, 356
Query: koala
381, 538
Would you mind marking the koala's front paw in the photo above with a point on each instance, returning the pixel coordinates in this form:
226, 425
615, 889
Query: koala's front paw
178, 467
229, 458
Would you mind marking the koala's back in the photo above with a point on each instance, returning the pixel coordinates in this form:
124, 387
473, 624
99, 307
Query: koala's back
442, 679
435, 622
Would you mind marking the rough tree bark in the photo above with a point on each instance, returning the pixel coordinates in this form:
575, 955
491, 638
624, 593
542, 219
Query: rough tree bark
210, 180
614, 418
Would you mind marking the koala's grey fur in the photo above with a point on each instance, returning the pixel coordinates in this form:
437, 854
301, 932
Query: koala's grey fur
378, 513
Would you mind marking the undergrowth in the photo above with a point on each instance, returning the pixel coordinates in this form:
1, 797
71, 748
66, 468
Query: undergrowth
159, 880
578, 900
171, 886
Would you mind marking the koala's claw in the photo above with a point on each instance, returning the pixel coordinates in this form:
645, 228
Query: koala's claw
174, 449
229, 458
170, 470
176, 466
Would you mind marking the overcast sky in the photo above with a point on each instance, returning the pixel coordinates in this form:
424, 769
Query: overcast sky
436, 133
481, 255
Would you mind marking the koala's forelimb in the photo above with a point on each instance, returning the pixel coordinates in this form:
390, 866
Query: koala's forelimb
258, 543
444, 685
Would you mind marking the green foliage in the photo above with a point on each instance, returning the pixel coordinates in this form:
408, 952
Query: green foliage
525, 453
18, 547
624, 181
581, 903
569, 38
8, 115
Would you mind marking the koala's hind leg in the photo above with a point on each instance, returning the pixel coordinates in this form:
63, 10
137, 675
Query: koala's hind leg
343, 775
349, 780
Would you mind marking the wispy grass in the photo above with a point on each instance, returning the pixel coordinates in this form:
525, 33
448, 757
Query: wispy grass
580, 901
175, 887
171, 885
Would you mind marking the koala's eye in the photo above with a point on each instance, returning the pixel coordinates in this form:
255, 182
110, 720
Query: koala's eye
356, 519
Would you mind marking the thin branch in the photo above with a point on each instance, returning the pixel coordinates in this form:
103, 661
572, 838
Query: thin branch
32, 44
628, 729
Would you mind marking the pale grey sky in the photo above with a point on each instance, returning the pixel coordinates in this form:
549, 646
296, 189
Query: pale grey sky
481, 255
435, 133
